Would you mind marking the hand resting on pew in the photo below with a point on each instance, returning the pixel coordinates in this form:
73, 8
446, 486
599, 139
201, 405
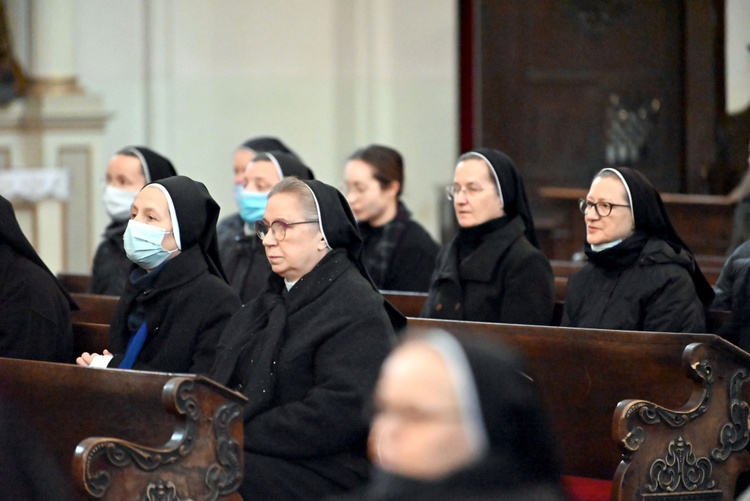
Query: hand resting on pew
94, 359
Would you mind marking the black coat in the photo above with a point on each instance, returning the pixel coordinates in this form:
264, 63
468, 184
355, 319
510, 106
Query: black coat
243, 258
506, 279
34, 312
309, 439
111, 265
654, 293
186, 311
412, 261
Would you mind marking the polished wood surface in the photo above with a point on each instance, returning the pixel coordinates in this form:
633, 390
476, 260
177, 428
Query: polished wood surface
582, 375
149, 417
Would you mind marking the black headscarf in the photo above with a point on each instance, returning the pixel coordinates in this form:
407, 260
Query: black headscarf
288, 164
264, 144
11, 235
196, 213
651, 218
339, 229
512, 190
155, 166
514, 435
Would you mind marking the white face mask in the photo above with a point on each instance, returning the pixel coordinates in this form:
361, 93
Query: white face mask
118, 202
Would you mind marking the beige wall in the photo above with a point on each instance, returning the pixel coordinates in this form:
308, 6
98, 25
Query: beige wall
737, 54
194, 79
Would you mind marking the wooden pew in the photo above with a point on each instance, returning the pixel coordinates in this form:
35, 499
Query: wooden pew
94, 308
583, 374
410, 304
179, 433
74, 282
89, 337
708, 266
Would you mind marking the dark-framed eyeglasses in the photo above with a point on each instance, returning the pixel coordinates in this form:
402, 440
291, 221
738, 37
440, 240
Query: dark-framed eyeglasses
603, 209
278, 228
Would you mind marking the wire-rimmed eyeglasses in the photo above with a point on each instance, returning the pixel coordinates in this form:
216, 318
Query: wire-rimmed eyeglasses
603, 209
278, 228
454, 189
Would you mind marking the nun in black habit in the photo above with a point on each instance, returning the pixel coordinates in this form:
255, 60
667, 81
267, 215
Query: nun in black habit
307, 351
243, 257
177, 301
34, 306
233, 226
457, 419
640, 275
492, 270
111, 265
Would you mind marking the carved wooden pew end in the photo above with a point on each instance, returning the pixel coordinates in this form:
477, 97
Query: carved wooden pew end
202, 459
696, 451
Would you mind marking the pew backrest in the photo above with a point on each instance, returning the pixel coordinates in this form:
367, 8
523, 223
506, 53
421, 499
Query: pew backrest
94, 308
125, 432
582, 375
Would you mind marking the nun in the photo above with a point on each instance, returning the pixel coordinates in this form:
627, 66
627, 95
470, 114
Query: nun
307, 351
233, 226
640, 275
456, 418
177, 301
130, 169
244, 258
492, 270
34, 306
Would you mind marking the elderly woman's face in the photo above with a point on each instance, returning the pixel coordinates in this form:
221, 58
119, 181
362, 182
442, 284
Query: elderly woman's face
619, 223
476, 200
302, 246
125, 173
418, 431
261, 176
150, 207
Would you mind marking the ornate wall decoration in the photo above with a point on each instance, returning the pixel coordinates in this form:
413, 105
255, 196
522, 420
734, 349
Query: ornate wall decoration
593, 17
162, 491
680, 467
630, 123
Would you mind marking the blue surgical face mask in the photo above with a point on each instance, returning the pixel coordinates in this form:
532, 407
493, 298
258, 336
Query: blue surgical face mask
238, 189
118, 201
143, 244
253, 205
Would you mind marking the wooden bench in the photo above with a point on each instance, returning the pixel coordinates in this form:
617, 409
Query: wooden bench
709, 268
74, 282
124, 434
582, 376
94, 308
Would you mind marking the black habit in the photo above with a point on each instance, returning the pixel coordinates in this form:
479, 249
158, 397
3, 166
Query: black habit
307, 359
519, 461
242, 253
34, 306
493, 272
650, 281
111, 265
188, 304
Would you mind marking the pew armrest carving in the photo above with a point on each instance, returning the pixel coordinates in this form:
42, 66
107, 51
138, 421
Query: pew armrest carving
201, 460
696, 451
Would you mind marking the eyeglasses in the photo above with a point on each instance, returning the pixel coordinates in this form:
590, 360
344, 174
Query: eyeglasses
454, 189
603, 209
277, 227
